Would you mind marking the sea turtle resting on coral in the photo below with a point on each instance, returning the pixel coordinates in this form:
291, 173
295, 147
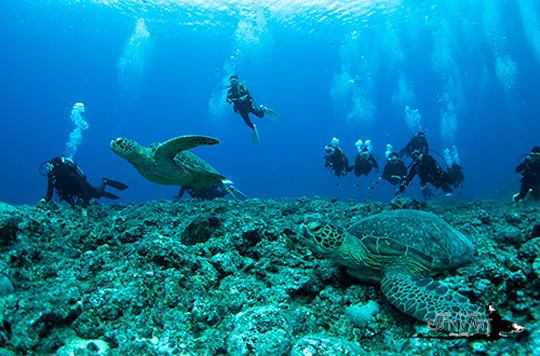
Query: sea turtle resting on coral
171, 163
399, 249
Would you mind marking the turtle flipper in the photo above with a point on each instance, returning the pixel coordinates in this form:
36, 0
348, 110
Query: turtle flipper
425, 299
171, 147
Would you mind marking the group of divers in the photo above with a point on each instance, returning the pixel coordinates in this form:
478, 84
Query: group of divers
70, 183
425, 166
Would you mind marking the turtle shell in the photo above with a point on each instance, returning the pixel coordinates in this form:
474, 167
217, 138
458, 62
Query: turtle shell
420, 235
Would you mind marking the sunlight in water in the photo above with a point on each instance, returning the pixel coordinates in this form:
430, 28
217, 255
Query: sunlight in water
373, 39
337, 6
299, 15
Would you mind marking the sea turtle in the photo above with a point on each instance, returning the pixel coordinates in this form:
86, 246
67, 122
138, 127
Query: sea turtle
171, 163
400, 249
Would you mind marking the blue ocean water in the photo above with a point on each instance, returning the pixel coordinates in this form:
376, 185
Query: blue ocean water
152, 70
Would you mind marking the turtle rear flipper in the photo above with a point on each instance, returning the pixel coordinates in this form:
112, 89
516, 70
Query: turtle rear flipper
174, 145
425, 299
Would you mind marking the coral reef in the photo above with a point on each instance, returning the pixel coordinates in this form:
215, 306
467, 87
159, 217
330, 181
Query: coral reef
360, 315
230, 278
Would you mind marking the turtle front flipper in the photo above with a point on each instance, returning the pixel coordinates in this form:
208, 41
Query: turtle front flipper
431, 302
171, 147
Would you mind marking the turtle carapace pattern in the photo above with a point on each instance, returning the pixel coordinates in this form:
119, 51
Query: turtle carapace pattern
400, 250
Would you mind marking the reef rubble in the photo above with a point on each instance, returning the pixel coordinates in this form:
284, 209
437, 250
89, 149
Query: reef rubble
230, 278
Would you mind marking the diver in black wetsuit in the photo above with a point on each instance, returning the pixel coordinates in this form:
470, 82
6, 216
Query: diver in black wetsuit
530, 180
335, 159
455, 176
243, 104
418, 143
364, 163
429, 171
211, 193
395, 170
71, 185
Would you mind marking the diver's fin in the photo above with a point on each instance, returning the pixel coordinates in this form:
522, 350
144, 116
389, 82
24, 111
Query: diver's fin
270, 113
255, 136
109, 195
229, 191
239, 194
115, 184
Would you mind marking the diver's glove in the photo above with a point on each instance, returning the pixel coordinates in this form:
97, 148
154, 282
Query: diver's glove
375, 182
44, 204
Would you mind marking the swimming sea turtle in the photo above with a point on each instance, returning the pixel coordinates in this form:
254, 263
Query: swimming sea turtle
399, 249
170, 162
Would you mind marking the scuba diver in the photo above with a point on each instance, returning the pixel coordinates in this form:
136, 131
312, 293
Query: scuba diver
71, 185
243, 104
211, 193
365, 161
418, 143
530, 175
335, 159
429, 171
455, 176
395, 171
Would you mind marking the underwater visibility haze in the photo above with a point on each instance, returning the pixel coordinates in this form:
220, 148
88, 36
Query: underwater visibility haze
463, 72
319, 264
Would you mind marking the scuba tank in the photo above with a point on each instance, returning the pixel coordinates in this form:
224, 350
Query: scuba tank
72, 165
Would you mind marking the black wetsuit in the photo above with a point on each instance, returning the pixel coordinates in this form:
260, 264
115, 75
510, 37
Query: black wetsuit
338, 162
243, 103
364, 163
530, 180
395, 173
212, 192
71, 184
417, 144
455, 175
429, 171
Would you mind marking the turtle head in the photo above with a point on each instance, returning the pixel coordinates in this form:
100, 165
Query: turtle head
124, 147
321, 236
